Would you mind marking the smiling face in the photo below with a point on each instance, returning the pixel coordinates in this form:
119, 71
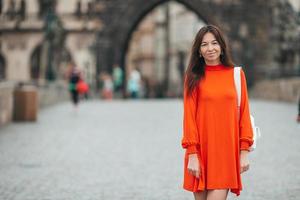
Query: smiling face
210, 49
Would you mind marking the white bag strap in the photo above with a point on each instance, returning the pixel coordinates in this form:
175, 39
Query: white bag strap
238, 87
237, 82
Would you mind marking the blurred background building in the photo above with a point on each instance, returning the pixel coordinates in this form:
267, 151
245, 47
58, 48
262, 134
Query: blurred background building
38, 38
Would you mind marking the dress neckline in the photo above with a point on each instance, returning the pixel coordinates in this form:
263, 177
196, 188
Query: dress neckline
216, 67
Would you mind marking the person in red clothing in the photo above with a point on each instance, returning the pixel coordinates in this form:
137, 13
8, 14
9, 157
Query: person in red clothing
217, 139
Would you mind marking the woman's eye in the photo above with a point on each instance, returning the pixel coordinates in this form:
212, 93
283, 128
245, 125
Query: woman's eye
202, 45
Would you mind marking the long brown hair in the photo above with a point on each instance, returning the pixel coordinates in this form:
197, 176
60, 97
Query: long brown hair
195, 71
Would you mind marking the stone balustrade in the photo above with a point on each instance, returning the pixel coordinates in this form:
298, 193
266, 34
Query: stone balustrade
48, 94
287, 90
279, 90
6, 102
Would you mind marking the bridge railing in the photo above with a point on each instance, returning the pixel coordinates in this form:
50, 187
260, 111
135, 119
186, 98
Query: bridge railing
6, 102
47, 94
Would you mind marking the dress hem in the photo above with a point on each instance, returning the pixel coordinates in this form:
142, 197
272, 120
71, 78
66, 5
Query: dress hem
236, 191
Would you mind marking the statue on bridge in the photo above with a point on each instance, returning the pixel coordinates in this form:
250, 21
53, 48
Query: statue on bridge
48, 58
53, 44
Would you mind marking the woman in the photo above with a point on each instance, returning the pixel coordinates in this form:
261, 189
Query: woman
216, 139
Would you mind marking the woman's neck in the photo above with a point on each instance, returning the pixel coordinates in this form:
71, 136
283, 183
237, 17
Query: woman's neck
213, 63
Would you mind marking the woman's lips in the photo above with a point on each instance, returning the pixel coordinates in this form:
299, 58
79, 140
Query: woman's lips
211, 54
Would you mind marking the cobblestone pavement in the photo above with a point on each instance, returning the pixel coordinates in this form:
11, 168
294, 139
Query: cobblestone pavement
131, 150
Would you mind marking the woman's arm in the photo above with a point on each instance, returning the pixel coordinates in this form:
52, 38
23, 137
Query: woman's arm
246, 132
190, 133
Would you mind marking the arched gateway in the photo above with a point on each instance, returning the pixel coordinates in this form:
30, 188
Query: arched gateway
249, 25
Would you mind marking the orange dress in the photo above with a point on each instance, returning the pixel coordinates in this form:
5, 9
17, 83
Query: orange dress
213, 130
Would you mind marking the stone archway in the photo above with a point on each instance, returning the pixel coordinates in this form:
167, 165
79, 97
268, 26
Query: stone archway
158, 47
136, 19
120, 21
249, 26
113, 40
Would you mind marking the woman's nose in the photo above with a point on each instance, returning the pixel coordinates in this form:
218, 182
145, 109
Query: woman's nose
210, 47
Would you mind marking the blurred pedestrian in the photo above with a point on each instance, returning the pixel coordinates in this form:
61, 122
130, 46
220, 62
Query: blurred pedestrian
216, 142
134, 84
298, 117
107, 86
117, 78
73, 76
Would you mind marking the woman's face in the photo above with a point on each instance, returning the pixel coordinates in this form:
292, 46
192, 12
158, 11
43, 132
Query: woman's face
210, 49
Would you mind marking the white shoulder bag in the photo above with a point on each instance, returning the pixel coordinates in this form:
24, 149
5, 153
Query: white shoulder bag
256, 130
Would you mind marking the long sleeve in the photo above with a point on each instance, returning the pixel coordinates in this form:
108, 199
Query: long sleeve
190, 133
246, 132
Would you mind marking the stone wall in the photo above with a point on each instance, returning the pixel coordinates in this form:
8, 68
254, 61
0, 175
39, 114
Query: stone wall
48, 94
279, 90
52, 93
6, 102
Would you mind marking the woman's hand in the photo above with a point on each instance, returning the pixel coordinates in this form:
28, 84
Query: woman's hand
194, 165
244, 161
